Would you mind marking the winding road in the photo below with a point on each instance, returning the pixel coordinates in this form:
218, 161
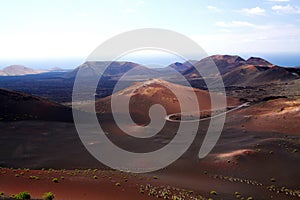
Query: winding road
207, 118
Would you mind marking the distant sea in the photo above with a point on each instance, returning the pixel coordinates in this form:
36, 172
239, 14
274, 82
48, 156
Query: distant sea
64, 63
280, 59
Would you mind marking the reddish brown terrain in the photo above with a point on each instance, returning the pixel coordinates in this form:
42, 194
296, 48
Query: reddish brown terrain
256, 157
19, 106
278, 115
156, 91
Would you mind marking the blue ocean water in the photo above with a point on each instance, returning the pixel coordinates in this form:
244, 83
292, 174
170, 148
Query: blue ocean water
280, 59
64, 63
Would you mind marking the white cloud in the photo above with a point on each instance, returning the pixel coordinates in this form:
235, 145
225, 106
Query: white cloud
130, 10
284, 38
254, 11
288, 9
239, 24
213, 8
141, 2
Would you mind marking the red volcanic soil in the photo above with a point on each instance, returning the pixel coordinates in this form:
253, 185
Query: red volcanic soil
90, 184
279, 115
81, 184
256, 156
155, 91
20, 106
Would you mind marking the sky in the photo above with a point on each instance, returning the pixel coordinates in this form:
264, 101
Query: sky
40, 30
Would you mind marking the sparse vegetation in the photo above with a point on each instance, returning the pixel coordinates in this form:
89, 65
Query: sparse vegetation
295, 151
271, 152
55, 180
22, 196
273, 180
237, 195
48, 196
34, 177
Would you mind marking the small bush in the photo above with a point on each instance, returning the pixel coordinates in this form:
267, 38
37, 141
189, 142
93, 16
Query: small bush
118, 184
55, 180
273, 180
213, 192
295, 151
48, 196
22, 196
34, 177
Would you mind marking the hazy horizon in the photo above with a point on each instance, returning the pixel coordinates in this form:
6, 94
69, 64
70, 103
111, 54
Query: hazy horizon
284, 59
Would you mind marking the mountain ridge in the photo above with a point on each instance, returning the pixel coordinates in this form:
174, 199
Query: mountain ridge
20, 106
19, 70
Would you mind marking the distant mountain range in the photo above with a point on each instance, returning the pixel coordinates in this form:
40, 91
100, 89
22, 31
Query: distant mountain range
234, 70
58, 84
113, 69
18, 70
239, 72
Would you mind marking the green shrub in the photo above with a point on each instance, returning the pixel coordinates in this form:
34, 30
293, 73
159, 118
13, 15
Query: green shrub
48, 196
22, 196
55, 180
273, 180
295, 151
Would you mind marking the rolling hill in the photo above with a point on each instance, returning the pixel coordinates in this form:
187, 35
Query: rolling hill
261, 116
156, 91
19, 70
19, 106
239, 72
94, 69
